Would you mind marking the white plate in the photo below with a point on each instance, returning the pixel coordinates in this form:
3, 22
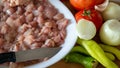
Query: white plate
69, 41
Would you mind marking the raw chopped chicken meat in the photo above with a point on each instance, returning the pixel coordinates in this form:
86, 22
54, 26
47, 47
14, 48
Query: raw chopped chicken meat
30, 24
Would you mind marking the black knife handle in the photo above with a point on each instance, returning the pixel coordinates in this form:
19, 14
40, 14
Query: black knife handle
7, 57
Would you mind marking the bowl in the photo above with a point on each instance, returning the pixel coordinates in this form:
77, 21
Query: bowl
69, 41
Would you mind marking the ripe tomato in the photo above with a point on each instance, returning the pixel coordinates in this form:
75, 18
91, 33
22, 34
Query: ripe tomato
99, 2
91, 15
84, 4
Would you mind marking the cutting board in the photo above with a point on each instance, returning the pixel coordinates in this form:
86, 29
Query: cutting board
62, 63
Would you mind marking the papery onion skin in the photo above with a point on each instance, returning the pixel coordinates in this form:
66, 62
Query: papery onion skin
110, 32
101, 7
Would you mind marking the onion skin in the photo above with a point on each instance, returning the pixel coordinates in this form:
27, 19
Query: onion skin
101, 7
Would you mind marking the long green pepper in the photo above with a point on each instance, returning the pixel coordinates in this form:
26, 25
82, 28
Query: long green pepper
86, 61
111, 49
110, 56
82, 50
97, 52
79, 49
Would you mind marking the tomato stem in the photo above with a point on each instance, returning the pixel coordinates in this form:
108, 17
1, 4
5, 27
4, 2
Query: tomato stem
87, 13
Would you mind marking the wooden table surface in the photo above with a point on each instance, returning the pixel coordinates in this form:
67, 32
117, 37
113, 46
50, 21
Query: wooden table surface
62, 63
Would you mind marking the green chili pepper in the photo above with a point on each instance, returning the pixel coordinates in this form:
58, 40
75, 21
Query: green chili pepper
97, 52
111, 49
110, 55
79, 49
82, 50
86, 61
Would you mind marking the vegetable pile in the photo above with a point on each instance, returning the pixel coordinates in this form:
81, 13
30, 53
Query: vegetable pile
96, 19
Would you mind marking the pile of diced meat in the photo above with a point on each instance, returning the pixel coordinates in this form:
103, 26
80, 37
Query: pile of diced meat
30, 25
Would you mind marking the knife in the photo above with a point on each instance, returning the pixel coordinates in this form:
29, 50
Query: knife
27, 55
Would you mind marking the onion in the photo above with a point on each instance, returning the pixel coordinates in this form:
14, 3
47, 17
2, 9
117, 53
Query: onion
112, 11
110, 32
86, 29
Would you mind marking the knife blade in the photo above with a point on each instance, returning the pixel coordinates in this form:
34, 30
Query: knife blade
27, 55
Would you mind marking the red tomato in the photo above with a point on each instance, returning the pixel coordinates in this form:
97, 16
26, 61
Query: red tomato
91, 15
84, 4
99, 2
